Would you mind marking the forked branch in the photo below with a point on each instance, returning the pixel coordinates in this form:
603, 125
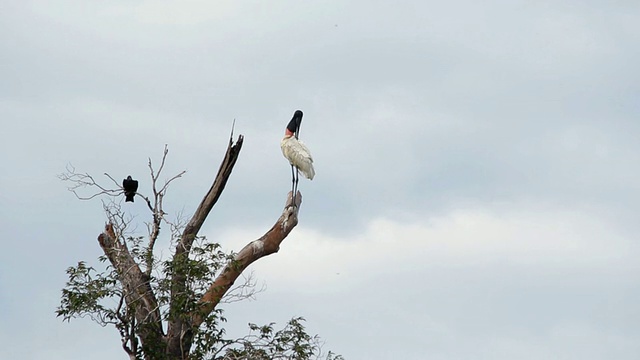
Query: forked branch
137, 290
79, 181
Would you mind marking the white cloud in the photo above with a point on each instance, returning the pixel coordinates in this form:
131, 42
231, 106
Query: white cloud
516, 280
465, 238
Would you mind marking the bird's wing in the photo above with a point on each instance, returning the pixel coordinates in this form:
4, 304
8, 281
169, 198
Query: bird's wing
304, 151
130, 185
298, 155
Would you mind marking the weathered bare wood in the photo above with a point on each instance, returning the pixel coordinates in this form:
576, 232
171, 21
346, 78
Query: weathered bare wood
157, 209
179, 333
137, 290
191, 230
266, 245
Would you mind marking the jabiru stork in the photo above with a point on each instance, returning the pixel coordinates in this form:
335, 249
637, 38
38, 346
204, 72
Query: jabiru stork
296, 152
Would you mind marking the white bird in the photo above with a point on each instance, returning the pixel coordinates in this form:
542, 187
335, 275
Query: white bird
296, 152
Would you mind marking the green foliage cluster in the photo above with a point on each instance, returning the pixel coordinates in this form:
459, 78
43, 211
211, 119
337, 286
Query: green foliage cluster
291, 342
98, 294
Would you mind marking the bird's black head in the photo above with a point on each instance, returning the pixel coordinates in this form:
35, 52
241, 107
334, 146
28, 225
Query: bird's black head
294, 124
129, 177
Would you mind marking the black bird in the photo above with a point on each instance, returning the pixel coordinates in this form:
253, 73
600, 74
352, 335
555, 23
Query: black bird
130, 187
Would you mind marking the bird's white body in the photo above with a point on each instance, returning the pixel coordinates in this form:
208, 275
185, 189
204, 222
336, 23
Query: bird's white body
298, 155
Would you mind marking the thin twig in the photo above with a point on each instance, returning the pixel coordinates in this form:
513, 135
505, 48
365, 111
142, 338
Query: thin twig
167, 182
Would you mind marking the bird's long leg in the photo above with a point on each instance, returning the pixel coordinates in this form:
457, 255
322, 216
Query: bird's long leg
295, 191
293, 182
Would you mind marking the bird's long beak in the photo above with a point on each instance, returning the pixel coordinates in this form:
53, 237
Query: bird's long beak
298, 123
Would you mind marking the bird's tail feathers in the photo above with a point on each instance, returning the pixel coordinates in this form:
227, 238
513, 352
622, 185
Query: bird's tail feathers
308, 172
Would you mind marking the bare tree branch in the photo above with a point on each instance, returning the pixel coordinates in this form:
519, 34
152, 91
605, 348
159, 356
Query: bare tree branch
112, 179
179, 333
193, 227
167, 182
157, 207
268, 244
80, 181
164, 157
137, 290
246, 290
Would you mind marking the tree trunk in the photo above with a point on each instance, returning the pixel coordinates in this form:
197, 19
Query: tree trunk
137, 291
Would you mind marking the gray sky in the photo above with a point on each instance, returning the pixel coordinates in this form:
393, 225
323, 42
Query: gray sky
477, 165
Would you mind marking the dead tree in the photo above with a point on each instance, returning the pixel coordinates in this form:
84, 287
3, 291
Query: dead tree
161, 318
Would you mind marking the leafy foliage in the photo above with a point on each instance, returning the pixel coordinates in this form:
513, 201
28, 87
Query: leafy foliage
87, 292
99, 296
264, 343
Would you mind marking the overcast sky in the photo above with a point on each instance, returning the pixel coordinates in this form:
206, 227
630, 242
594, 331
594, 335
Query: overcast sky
477, 165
